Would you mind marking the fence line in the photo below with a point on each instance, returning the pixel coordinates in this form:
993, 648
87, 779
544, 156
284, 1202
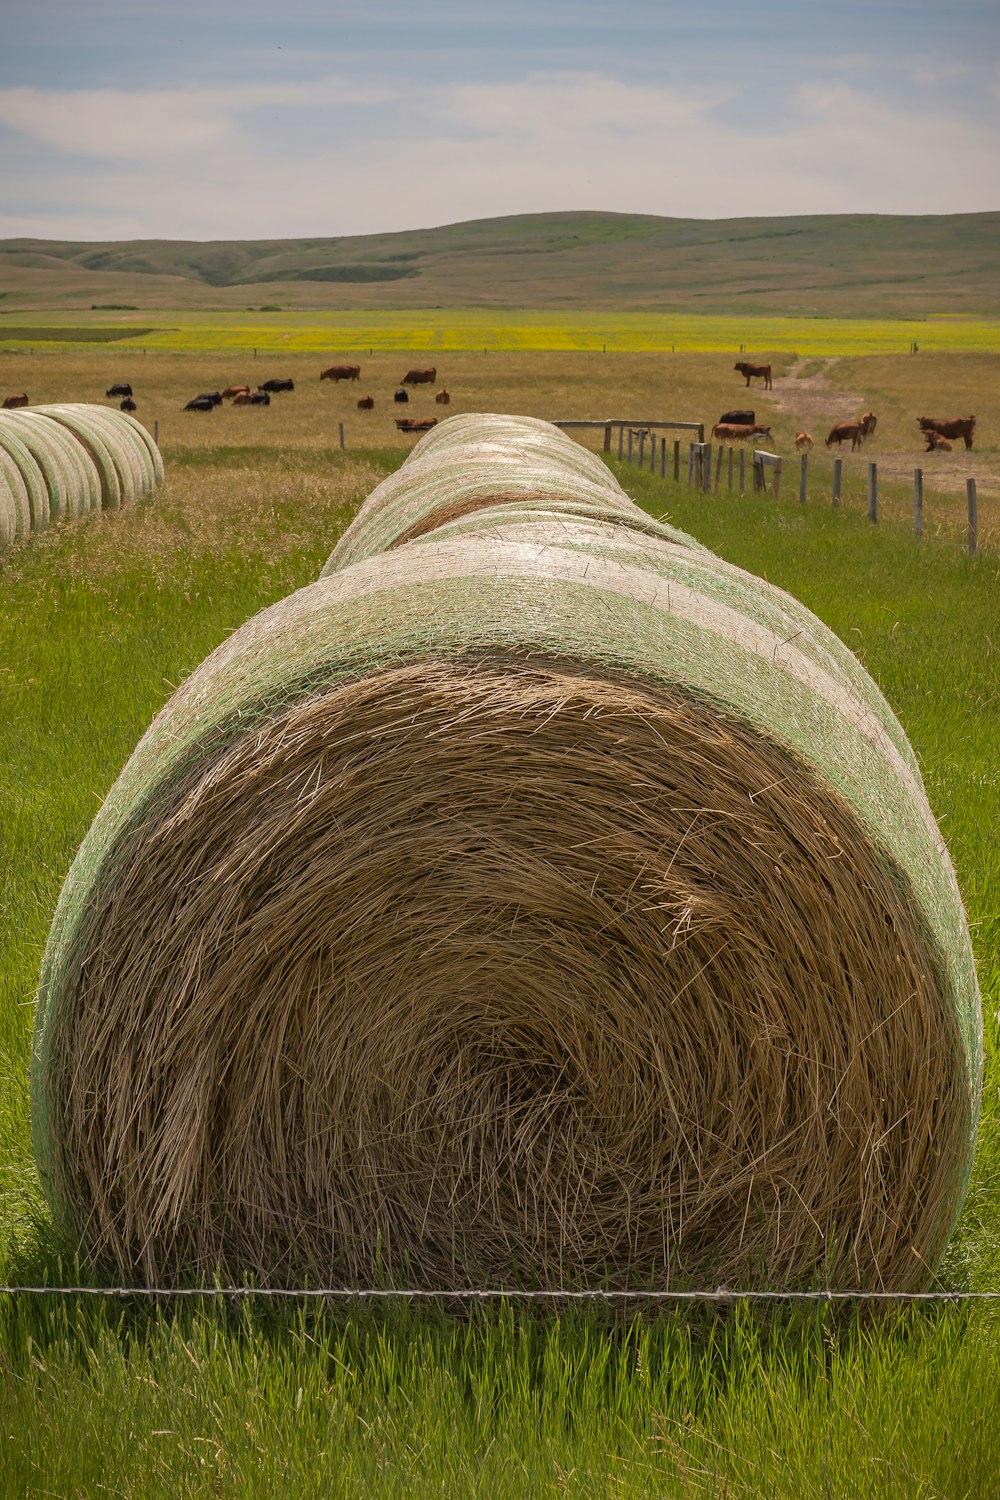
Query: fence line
700, 469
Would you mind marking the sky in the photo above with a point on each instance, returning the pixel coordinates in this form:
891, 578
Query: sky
252, 119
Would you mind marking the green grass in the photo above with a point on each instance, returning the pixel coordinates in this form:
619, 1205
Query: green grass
99, 622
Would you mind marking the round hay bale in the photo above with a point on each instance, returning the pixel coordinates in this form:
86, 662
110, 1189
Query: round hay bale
542, 902
460, 468
80, 421
37, 439
20, 501
31, 473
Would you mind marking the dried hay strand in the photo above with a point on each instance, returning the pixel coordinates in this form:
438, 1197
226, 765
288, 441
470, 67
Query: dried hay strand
515, 906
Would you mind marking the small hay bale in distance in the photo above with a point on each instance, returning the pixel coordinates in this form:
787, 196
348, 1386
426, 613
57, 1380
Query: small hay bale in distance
538, 900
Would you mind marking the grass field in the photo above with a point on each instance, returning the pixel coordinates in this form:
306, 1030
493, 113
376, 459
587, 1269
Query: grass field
449, 330
97, 625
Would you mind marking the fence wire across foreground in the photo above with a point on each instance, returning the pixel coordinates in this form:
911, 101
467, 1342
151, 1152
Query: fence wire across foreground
490, 1294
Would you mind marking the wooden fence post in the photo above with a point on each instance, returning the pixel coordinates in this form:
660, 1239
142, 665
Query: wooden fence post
663, 458
838, 475
743, 466
690, 464
803, 478
970, 496
677, 459
730, 475
642, 443
706, 468
607, 438
621, 439
630, 433
777, 479
918, 504
340, 430
873, 494
718, 466
652, 452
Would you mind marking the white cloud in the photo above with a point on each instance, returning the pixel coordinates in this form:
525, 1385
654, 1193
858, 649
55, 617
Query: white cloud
331, 156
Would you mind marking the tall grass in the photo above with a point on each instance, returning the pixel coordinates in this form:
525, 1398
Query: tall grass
97, 624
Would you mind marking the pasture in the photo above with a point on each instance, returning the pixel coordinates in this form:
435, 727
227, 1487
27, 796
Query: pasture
100, 621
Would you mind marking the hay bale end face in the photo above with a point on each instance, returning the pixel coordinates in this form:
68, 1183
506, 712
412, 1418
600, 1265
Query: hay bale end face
516, 905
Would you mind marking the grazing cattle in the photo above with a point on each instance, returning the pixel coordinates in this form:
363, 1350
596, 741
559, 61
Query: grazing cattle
119, 390
401, 396
419, 377
754, 372
201, 403
950, 427
869, 422
271, 386
244, 398
232, 391
341, 372
843, 431
9, 402
424, 425
127, 405
442, 398
260, 398
935, 442
214, 396
742, 417
803, 441
366, 403
739, 432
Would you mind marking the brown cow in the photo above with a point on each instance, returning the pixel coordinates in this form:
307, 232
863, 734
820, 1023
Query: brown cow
419, 377
935, 442
406, 424
242, 398
803, 441
232, 391
9, 402
341, 372
950, 427
442, 398
844, 430
366, 403
869, 422
754, 372
739, 432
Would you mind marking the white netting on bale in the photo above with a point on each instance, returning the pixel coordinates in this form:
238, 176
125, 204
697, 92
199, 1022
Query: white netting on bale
538, 901
72, 459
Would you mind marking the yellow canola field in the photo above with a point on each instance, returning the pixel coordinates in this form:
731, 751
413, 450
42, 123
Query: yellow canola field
447, 330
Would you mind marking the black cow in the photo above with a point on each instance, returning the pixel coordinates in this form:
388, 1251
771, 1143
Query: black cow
401, 395
741, 418
214, 396
119, 390
127, 405
260, 398
201, 403
277, 385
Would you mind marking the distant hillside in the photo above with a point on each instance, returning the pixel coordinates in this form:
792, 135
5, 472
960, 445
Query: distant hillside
871, 265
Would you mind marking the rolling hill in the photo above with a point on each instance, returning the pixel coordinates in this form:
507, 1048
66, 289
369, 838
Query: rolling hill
832, 265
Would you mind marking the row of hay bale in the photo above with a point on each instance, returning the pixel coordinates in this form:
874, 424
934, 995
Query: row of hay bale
59, 462
533, 899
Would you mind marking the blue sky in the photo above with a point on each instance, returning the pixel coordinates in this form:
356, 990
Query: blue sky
247, 120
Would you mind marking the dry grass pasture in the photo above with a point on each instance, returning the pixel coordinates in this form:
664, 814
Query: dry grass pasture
808, 394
